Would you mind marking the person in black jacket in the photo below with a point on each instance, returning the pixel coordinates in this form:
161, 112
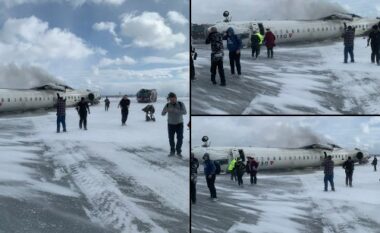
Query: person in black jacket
348, 39
124, 105
348, 166
374, 38
83, 108
216, 40
374, 163
193, 57
194, 164
240, 170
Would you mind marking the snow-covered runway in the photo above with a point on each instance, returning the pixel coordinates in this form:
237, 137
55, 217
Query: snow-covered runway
107, 179
291, 202
301, 79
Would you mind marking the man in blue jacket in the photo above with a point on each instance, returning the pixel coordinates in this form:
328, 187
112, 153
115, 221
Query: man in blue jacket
234, 45
209, 170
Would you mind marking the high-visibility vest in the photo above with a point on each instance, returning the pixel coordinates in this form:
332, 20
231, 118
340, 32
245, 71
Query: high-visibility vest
231, 165
261, 37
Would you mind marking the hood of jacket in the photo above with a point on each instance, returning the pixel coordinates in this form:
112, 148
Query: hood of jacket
230, 31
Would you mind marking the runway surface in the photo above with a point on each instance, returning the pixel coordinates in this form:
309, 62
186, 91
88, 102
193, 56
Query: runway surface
107, 179
290, 202
301, 79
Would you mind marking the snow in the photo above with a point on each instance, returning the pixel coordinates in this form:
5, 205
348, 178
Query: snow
123, 172
290, 202
301, 79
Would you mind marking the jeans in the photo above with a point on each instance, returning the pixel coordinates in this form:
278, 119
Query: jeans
83, 120
172, 130
255, 50
375, 53
329, 178
211, 185
61, 120
253, 177
124, 116
235, 59
219, 65
193, 192
348, 50
349, 177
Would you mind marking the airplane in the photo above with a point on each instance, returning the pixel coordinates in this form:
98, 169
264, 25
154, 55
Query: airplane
290, 31
43, 97
146, 96
280, 158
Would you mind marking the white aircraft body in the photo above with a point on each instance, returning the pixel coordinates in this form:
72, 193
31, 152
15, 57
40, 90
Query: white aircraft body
289, 31
12, 100
278, 158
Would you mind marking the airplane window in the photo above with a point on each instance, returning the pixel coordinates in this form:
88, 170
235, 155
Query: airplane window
9, 100
318, 29
298, 30
323, 29
279, 158
303, 157
292, 31
40, 98
290, 157
35, 98
308, 30
274, 158
2, 100
299, 158
307, 157
20, 98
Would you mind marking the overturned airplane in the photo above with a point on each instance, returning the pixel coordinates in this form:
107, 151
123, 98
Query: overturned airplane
288, 31
146, 96
280, 158
42, 97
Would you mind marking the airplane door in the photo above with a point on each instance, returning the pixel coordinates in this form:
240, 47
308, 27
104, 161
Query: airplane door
261, 28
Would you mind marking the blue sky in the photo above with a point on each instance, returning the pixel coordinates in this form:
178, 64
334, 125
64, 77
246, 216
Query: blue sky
111, 45
348, 132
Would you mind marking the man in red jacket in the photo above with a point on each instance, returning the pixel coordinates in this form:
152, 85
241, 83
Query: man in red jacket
269, 40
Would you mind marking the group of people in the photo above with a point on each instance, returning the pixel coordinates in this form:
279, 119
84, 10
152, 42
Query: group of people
237, 169
234, 45
174, 109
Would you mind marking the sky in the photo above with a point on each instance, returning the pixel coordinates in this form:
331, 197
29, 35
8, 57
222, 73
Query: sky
288, 132
212, 11
114, 46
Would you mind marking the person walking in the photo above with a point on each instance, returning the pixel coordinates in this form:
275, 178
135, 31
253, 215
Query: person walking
193, 57
269, 41
124, 105
194, 164
61, 113
240, 170
175, 110
374, 163
106, 104
234, 44
348, 40
328, 165
209, 171
256, 41
252, 168
216, 40
232, 170
82, 108
374, 38
348, 167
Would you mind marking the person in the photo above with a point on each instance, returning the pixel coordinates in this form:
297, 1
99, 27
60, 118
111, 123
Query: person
82, 108
328, 165
256, 41
175, 110
374, 38
348, 166
194, 164
149, 112
209, 171
215, 39
232, 170
374, 163
234, 44
240, 170
61, 113
252, 169
107, 104
124, 105
348, 40
269, 41
193, 57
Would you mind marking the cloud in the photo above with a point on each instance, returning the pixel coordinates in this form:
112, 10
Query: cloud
179, 58
125, 60
31, 40
176, 17
75, 3
149, 30
110, 27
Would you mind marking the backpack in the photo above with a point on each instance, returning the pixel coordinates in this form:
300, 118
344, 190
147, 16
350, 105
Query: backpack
217, 168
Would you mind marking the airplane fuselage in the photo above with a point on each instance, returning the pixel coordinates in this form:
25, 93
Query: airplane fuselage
25, 100
276, 158
290, 31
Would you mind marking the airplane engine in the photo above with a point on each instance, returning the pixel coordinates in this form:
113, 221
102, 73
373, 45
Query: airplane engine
91, 97
359, 155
